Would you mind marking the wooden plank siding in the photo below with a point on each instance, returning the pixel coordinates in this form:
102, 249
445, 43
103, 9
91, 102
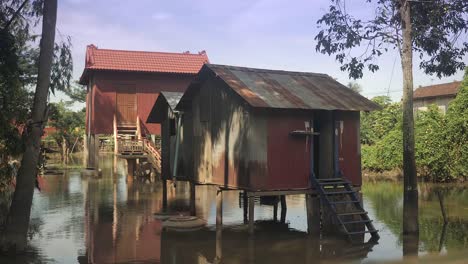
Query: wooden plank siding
147, 87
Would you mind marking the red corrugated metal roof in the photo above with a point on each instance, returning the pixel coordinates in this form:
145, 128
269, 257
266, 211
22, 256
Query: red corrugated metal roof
444, 89
287, 90
142, 61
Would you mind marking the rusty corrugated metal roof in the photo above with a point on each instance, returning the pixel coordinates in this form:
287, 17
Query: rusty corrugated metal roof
444, 89
159, 111
290, 90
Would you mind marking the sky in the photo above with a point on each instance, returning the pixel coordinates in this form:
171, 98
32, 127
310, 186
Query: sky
272, 34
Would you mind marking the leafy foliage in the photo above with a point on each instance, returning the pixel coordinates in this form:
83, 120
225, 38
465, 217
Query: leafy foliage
431, 144
441, 140
19, 54
69, 124
457, 130
437, 27
375, 125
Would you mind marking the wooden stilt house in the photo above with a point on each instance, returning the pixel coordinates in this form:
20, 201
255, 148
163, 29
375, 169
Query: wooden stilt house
258, 129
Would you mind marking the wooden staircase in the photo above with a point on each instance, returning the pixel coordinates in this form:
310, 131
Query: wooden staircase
338, 191
126, 132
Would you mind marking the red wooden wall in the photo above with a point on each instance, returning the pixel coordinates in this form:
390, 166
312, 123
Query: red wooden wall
288, 156
147, 86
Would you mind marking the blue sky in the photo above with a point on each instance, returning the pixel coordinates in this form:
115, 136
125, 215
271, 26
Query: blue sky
273, 34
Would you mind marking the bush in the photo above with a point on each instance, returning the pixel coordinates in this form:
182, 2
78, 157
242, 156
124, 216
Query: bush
432, 157
457, 131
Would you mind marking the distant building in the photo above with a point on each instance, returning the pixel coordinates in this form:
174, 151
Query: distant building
439, 94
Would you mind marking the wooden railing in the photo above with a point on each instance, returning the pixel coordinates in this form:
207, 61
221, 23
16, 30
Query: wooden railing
154, 156
139, 147
131, 146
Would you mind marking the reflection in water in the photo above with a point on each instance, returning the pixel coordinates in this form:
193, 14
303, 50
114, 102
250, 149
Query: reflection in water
108, 220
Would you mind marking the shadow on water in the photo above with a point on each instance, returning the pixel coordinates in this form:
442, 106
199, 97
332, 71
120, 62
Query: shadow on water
110, 220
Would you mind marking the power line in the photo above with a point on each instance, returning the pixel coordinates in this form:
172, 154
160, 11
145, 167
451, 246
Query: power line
391, 76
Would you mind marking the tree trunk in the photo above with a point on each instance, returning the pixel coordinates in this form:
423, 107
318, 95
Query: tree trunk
410, 201
17, 224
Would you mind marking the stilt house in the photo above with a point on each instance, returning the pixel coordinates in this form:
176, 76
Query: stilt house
123, 85
257, 129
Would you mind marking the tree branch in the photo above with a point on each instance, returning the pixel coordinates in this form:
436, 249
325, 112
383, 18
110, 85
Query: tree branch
15, 15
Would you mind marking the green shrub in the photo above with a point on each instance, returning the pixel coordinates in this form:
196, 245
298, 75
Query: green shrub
457, 131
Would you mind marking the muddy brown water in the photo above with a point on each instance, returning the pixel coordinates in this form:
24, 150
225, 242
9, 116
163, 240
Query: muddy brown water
77, 219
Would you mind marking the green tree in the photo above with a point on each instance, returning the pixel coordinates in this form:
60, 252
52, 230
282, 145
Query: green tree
431, 28
457, 130
432, 157
16, 21
69, 126
375, 125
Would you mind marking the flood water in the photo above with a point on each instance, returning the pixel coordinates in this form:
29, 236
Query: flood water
110, 220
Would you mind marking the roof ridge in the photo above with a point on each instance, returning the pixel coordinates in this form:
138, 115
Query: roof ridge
251, 69
201, 53
439, 84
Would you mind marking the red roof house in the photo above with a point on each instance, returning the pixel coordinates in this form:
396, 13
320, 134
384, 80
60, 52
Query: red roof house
123, 85
439, 94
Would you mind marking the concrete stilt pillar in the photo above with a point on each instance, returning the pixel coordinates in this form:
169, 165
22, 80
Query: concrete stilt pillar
96, 152
251, 214
85, 150
219, 224
91, 152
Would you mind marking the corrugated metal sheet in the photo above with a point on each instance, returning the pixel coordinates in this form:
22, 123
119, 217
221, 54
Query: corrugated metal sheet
159, 111
172, 98
290, 90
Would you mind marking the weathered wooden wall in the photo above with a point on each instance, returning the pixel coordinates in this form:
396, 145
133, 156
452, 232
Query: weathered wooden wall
235, 145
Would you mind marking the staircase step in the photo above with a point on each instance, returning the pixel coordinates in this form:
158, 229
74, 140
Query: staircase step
334, 183
357, 222
344, 202
353, 213
337, 193
363, 232
330, 179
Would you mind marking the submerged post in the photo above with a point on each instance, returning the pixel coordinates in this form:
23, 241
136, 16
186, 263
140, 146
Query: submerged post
219, 224
313, 214
164, 195
251, 213
245, 205
284, 208
192, 199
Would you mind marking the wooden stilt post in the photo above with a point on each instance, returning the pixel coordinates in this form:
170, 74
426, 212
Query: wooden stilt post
219, 224
275, 212
251, 250
164, 195
284, 208
130, 169
313, 214
192, 199
245, 205
251, 213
